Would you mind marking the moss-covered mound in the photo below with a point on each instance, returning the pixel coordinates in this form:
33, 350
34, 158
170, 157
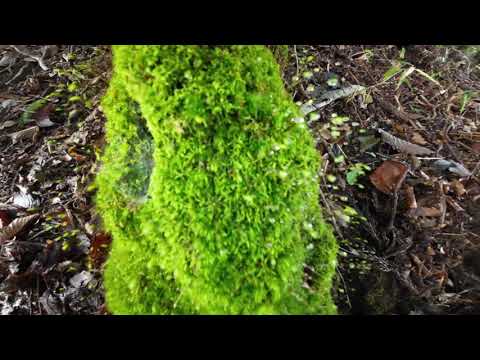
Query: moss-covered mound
209, 187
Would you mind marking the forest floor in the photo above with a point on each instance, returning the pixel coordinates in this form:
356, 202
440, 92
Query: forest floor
398, 130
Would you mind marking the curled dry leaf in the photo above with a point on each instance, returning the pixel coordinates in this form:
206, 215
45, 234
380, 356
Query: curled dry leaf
4, 218
428, 212
476, 147
30, 133
402, 145
81, 279
42, 116
418, 139
458, 187
7, 124
389, 176
452, 166
16, 226
410, 196
99, 248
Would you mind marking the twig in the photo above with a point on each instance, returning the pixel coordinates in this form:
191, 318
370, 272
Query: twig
38, 59
20, 72
394, 210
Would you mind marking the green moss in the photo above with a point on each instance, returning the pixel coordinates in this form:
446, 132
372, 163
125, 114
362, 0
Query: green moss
280, 52
209, 188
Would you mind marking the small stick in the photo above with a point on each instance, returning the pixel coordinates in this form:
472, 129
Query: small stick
394, 210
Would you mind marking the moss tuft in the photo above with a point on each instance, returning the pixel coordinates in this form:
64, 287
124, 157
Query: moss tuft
209, 188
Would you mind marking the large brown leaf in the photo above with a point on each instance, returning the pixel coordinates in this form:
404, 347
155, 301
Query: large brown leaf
15, 227
389, 176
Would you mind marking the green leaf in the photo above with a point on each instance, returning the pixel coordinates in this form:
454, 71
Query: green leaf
332, 82
394, 70
404, 75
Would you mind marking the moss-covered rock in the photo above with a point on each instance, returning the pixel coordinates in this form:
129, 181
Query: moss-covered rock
209, 187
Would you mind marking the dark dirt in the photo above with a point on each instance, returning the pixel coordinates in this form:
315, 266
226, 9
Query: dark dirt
426, 263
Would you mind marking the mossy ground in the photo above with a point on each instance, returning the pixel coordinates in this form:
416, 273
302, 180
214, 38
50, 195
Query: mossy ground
209, 188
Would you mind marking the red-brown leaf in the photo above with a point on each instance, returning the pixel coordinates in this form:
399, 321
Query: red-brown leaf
15, 227
4, 218
99, 248
389, 176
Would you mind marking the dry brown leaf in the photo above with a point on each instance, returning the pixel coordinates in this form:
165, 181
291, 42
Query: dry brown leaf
418, 139
428, 212
458, 187
15, 227
430, 251
7, 124
31, 132
476, 147
410, 196
402, 145
4, 218
389, 176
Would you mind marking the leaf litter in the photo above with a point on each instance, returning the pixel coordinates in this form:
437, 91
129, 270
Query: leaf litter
410, 257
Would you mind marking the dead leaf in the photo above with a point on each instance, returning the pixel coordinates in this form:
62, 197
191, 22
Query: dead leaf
389, 176
99, 248
8, 59
4, 218
476, 147
402, 145
7, 124
410, 195
23, 198
45, 123
81, 279
452, 166
31, 132
428, 212
50, 303
418, 139
16, 226
458, 187
430, 251
42, 116
366, 142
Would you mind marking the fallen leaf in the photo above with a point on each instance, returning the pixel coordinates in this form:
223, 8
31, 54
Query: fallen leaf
389, 176
451, 166
7, 124
410, 196
428, 212
81, 279
4, 218
8, 60
45, 123
366, 142
42, 116
430, 251
476, 147
16, 226
99, 248
418, 139
402, 145
50, 303
23, 198
31, 132
458, 187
